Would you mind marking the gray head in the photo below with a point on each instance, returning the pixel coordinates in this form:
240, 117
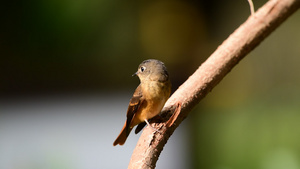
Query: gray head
153, 70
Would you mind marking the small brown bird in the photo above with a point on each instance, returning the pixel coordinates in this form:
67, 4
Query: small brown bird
149, 97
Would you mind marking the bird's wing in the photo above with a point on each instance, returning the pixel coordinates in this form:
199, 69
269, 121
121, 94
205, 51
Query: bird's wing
134, 104
140, 127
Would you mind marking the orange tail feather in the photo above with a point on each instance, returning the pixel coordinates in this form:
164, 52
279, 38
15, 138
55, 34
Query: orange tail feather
122, 136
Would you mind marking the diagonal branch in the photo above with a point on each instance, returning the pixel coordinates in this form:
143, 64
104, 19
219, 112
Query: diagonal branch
209, 74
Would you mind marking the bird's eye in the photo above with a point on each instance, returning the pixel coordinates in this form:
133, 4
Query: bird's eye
143, 68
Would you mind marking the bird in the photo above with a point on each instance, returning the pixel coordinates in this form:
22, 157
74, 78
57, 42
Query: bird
148, 99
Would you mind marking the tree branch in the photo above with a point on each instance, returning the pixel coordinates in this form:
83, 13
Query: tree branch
257, 27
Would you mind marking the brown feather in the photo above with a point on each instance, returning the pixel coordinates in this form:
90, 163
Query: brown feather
133, 107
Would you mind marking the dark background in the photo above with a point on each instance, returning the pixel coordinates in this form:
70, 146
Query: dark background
55, 51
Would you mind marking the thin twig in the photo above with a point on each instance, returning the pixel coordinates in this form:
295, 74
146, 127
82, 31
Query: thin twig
251, 7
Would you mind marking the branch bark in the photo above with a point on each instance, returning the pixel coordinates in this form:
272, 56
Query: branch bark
244, 39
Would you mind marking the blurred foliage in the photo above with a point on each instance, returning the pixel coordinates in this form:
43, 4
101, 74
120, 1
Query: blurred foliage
250, 120
56, 46
60, 45
257, 135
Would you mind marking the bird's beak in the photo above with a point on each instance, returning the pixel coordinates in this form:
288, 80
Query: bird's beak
135, 74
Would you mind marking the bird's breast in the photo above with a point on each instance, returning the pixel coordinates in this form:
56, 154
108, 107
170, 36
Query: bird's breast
155, 94
156, 90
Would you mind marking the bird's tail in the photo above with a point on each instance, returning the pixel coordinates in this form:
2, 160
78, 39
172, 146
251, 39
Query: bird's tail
122, 136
